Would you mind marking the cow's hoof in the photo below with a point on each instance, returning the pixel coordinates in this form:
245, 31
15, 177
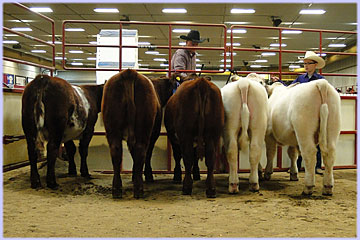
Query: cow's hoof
53, 185
36, 184
261, 176
254, 187
149, 178
187, 191
86, 175
177, 179
294, 177
139, 194
233, 188
308, 190
116, 193
267, 176
327, 191
196, 177
211, 193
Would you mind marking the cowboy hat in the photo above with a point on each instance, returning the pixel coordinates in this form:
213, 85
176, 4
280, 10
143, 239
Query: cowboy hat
194, 36
313, 56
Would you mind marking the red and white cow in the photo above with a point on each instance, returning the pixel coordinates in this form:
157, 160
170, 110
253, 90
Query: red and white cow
55, 111
301, 116
245, 104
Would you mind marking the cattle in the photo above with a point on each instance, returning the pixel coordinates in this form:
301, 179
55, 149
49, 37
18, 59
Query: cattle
195, 115
302, 116
129, 107
55, 111
164, 87
245, 104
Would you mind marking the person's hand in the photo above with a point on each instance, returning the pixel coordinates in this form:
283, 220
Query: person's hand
274, 78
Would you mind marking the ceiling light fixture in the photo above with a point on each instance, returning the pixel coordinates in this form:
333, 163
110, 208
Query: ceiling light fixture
181, 30
294, 66
237, 31
22, 29
106, 10
174, 10
76, 51
10, 42
261, 60
256, 66
291, 32
41, 9
160, 59
38, 51
77, 64
240, 10
234, 44
337, 45
91, 58
268, 54
74, 29
312, 11
152, 52
277, 45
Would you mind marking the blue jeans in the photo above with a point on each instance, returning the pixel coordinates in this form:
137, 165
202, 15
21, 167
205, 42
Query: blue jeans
318, 159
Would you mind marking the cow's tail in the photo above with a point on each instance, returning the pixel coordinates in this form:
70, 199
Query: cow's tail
244, 115
128, 79
202, 95
40, 82
324, 113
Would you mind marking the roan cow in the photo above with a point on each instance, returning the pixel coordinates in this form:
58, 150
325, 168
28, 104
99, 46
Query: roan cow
58, 112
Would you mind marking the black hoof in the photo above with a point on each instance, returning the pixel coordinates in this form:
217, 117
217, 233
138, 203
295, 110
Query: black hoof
36, 184
149, 179
211, 193
53, 186
196, 177
139, 194
116, 193
186, 191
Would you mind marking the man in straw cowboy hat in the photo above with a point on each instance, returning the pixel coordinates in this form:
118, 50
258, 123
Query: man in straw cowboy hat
311, 62
185, 59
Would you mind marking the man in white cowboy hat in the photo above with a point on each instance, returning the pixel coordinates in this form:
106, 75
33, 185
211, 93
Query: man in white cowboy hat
185, 59
311, 62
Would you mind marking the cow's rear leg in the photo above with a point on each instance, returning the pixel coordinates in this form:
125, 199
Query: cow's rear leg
33, 157
210, 157
188, 157
232, 157
196, 169
309, 155
70, 151
293, 155
83, 150
328, 180
270, 154
254, 158
52, 153
177, 155
138, 153
116, 151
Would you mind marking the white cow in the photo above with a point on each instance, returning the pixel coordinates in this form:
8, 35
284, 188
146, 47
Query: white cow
301, 116
245, 105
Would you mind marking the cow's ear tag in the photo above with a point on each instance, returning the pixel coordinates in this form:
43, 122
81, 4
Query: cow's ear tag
178, 79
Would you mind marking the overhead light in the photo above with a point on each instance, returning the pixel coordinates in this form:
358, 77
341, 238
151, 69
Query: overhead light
22, 29
294, 66
19, 21
144, 43
198, 65
164, 65
76, 51
197, 60
312, 11
240, 10
181, 30
145, 36
277, 45
11, 35
77, 64
160, 59
10, 42
93, 42
143, 65
74, 29
182, 43
256, 66
322, 55
268, 54
106, 10
291, 23
152, 52
91, 58
41, 9
59, 58
261, 60
174, 10
38, 51
227, 60
77, 59
337, 45
234, 44
237, 31
336, 38
56, 42
291, 32
228, 54
227, 65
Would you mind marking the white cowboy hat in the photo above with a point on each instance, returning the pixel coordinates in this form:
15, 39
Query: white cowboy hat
313, 56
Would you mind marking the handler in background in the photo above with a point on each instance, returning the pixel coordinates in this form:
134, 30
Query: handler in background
185, 59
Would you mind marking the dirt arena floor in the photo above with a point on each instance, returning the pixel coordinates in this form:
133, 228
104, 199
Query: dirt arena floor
85, 208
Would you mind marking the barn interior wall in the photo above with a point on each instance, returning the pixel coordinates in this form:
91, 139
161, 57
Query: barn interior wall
20, 69
347, 65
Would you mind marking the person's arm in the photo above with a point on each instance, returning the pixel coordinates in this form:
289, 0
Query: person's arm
296, 80
277, 79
